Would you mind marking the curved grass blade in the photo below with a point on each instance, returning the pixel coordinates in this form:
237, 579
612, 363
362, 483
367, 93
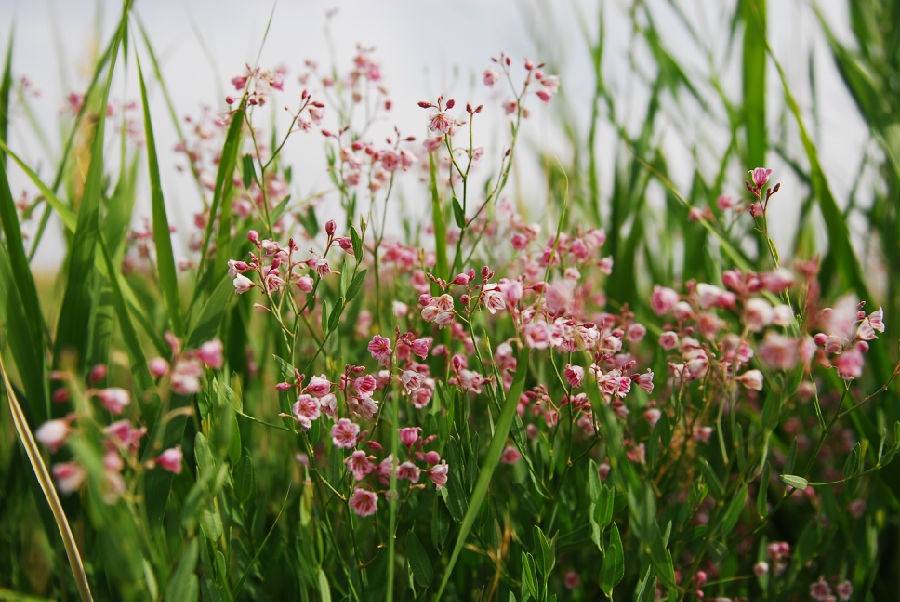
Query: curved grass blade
165, 259
46, 483
498, 442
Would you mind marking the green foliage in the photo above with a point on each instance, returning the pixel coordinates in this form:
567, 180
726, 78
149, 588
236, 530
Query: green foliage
486, 466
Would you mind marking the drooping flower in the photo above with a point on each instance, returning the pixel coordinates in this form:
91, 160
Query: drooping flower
364, 502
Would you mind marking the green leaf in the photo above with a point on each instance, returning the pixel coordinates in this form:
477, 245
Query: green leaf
613, 568
183, 585
794, 481
162, 241
244, 478
419, 562
437, 217
546, 552
356, 284
492, 459
529, 581
248, 170
733, 511
356, 242
762, 502
210, 316
459, 214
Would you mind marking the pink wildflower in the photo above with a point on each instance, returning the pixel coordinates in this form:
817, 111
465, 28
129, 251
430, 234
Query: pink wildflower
663, 299
210, 353
510, 455
344, 433
409, 436
438, 474
114, 399
242, 284
752, 379
306, 409
408, 471
69, 476
574, 375
363, 502
359, 465
53, 433
380, 348
170, 459
158, 367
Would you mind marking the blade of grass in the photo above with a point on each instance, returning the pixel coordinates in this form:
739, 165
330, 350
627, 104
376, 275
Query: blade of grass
46, 483
840, 258
165, 259
78, 308
23, 306
491, 460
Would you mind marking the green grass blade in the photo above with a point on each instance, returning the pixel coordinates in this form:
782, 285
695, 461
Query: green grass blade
22, 305
437, 216
46, 483
840, 258
753, 74
498, 443
78, 307
66, 215
165, 259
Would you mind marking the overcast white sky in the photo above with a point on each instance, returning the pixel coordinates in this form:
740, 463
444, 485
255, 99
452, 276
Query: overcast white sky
426, 48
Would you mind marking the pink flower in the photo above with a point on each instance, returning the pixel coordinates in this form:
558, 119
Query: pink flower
170, 459
652, 415
489, 78
668, 340
752, 379
663, 299
158, 367
421, 346
760, 176
409, 436
359, 464
574, 375
305, 283
306, 409
114, 399
778, 351
122, 433
761, 568
438, 474
758, 313
242, 284
69, 476
344, 433
820, 591
186, 377
210, 353
510, 455
850, 363
571, 580
408, 471
380, 348
844, 590
53, 433
363, 502
318, 386
702, 433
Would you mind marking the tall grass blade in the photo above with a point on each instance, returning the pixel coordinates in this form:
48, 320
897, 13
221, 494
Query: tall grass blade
46, 483
491, 460
840, 258
78, 307
22, 305
165, 259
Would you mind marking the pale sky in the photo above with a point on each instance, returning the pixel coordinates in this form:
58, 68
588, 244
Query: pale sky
425, 48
